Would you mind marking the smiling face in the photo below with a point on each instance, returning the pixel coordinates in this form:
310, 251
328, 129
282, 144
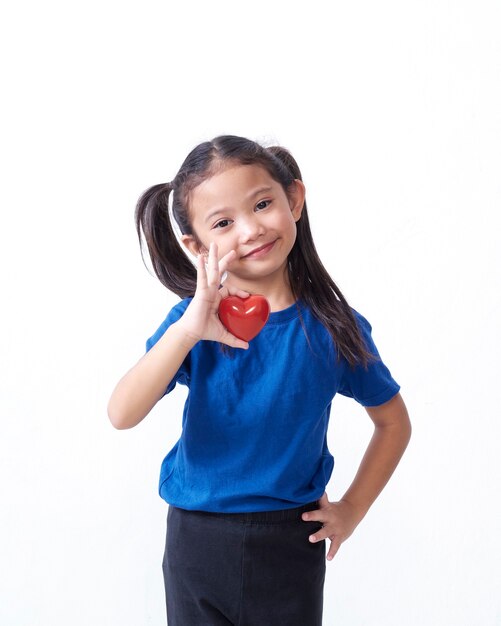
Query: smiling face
242, 208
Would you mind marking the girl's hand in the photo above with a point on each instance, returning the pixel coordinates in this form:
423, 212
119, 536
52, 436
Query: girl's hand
200, 320
339, 520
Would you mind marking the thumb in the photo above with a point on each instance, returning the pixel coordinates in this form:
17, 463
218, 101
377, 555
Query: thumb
324, 500
233, 342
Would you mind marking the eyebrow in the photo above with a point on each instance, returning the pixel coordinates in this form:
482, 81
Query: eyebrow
251, 195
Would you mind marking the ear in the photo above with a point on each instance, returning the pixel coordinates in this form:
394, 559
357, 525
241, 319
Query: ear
296, 194
193, 245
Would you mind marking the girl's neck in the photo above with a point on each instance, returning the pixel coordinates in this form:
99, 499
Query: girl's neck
276, 291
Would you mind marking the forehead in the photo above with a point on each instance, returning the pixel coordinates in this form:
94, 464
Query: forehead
230, 187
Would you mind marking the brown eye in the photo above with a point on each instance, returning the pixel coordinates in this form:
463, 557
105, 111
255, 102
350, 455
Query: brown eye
263, 204
222, 224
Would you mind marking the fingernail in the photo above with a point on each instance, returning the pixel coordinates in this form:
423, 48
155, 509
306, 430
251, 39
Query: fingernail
224, 277
305, 517
313, 539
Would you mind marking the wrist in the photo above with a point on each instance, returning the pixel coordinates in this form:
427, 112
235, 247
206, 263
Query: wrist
186, 337
358, 509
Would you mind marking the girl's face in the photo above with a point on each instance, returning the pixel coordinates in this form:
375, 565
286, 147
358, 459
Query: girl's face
243, 209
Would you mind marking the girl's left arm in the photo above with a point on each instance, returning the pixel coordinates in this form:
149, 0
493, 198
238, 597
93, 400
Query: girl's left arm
386, 447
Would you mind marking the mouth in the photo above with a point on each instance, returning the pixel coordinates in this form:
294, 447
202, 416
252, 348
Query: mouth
261, 251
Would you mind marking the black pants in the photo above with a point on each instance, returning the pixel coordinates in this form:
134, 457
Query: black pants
243, 569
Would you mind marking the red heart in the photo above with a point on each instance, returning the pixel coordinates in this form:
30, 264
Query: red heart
244, 317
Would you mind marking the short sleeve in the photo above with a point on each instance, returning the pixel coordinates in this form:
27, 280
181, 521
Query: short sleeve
182, 376
372, 386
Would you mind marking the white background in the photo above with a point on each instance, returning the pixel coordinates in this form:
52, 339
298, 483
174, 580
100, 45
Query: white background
393, 110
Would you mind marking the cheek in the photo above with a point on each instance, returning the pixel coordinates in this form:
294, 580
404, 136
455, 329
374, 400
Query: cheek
199, 238
289, 226
224, 245
288, 217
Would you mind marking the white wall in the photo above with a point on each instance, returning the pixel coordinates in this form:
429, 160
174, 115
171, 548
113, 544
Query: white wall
393, 111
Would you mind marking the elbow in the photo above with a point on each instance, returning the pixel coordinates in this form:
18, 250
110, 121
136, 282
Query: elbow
118, 418
407, 431
402, 420
406, 427
406, 421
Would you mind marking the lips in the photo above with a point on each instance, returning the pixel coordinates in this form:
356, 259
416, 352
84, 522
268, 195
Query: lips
260, 251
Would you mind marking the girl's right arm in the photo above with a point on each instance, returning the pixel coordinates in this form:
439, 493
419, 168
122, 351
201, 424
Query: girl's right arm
142, 386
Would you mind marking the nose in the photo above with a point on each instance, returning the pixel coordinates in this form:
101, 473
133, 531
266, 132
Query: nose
250, 229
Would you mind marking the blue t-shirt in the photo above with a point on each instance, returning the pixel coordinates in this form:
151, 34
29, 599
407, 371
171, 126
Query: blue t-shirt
254, 428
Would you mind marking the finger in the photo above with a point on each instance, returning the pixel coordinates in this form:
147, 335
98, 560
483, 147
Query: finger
318, 515
324, 500
334, 547
234, 342
201, 273
213, 273
226, 261
313, 516
320, 535
234, 291
226, 291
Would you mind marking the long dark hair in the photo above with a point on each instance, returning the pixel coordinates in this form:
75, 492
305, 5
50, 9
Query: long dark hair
308, 278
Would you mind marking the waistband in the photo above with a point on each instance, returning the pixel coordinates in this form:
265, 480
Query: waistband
268, 517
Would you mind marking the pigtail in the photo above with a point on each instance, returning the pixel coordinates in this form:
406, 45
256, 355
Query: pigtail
312, 283
153, 224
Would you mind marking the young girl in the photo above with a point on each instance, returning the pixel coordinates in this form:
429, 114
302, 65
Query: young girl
248, 514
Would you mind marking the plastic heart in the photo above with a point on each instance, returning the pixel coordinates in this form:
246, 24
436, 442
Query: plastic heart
244, 317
